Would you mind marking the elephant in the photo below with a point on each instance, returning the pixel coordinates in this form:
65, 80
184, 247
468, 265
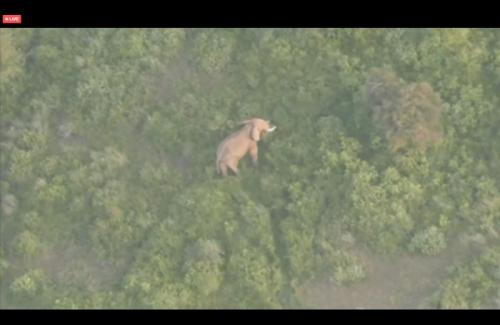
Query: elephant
238, 144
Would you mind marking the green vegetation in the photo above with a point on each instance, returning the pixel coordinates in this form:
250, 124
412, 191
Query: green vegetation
386, 146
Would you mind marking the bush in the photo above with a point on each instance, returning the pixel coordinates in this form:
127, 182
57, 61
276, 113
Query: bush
430, 241
213, 51
9, 204
28, 285
469, 287
27, 244
4, 266
342, 267
347, 268
203, 266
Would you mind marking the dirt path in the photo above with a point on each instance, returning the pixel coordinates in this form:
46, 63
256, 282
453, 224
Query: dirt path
399, 282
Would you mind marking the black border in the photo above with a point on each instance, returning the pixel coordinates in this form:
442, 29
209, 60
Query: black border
45, 13
150, 13
250, 316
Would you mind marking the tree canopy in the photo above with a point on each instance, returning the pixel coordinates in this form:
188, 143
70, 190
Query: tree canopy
386, 148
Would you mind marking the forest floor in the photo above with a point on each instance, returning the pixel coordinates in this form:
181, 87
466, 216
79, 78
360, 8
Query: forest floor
392, 282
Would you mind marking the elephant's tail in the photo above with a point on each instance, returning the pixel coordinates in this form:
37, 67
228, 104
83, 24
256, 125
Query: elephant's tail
217, 165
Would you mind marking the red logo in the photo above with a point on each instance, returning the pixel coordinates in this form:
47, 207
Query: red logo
11, 19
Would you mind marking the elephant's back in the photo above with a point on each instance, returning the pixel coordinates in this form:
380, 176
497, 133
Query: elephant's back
231, 140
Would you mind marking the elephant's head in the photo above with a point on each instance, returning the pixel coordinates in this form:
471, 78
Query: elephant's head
258, 128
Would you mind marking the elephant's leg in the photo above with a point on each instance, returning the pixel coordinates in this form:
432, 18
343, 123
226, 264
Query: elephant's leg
254, 154
233, 165
223, 168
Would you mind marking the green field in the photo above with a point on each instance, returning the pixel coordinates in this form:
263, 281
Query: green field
380, 187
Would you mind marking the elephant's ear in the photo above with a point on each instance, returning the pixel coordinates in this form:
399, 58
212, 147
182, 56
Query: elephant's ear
255, 133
